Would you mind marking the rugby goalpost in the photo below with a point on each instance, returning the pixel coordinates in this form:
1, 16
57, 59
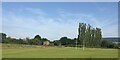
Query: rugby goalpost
83, 46
79, 35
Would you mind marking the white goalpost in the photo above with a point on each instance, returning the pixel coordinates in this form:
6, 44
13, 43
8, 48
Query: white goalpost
83, 46
76, 43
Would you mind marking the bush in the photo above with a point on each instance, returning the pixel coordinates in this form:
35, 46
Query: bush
108, 44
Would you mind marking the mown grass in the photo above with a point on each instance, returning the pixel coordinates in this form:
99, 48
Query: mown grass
32, 51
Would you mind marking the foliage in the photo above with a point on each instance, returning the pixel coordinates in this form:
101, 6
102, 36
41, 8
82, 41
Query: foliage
37, 37
57, 43
2, 37
88, 36
108, 44
36, 41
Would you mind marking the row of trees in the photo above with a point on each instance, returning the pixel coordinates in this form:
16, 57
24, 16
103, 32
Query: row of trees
37, 40
63, 41
89, 36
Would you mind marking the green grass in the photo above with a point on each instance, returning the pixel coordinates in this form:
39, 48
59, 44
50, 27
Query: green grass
28, 51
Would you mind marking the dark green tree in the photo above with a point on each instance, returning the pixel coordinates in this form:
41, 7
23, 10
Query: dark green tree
81, 34
65, 41
98, 37
93, 37
108, 44
2, 37
37, 37
37, 40
88, 36
57, 42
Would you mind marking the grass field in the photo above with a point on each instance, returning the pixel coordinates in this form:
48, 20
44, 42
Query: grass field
28, 51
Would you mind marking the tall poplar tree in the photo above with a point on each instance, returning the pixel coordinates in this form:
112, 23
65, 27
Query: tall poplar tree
88, 36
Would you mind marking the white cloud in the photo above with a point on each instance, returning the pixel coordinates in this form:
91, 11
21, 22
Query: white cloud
0, 17
35, 11
111, 31
102, 9
52, 28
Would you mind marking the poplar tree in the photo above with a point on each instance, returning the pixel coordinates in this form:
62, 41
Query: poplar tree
88, 36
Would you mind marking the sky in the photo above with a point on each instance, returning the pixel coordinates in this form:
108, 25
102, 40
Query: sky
60, 0
53, 20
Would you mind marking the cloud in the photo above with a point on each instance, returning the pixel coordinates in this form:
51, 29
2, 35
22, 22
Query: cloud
0, 17
21, 27
35, 11
66, 24
102, 9
111, 31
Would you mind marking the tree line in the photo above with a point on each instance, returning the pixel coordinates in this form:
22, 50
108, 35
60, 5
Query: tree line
37, 40
87, 36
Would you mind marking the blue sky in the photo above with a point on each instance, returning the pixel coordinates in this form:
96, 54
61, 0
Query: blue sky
60, 0
54, 20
